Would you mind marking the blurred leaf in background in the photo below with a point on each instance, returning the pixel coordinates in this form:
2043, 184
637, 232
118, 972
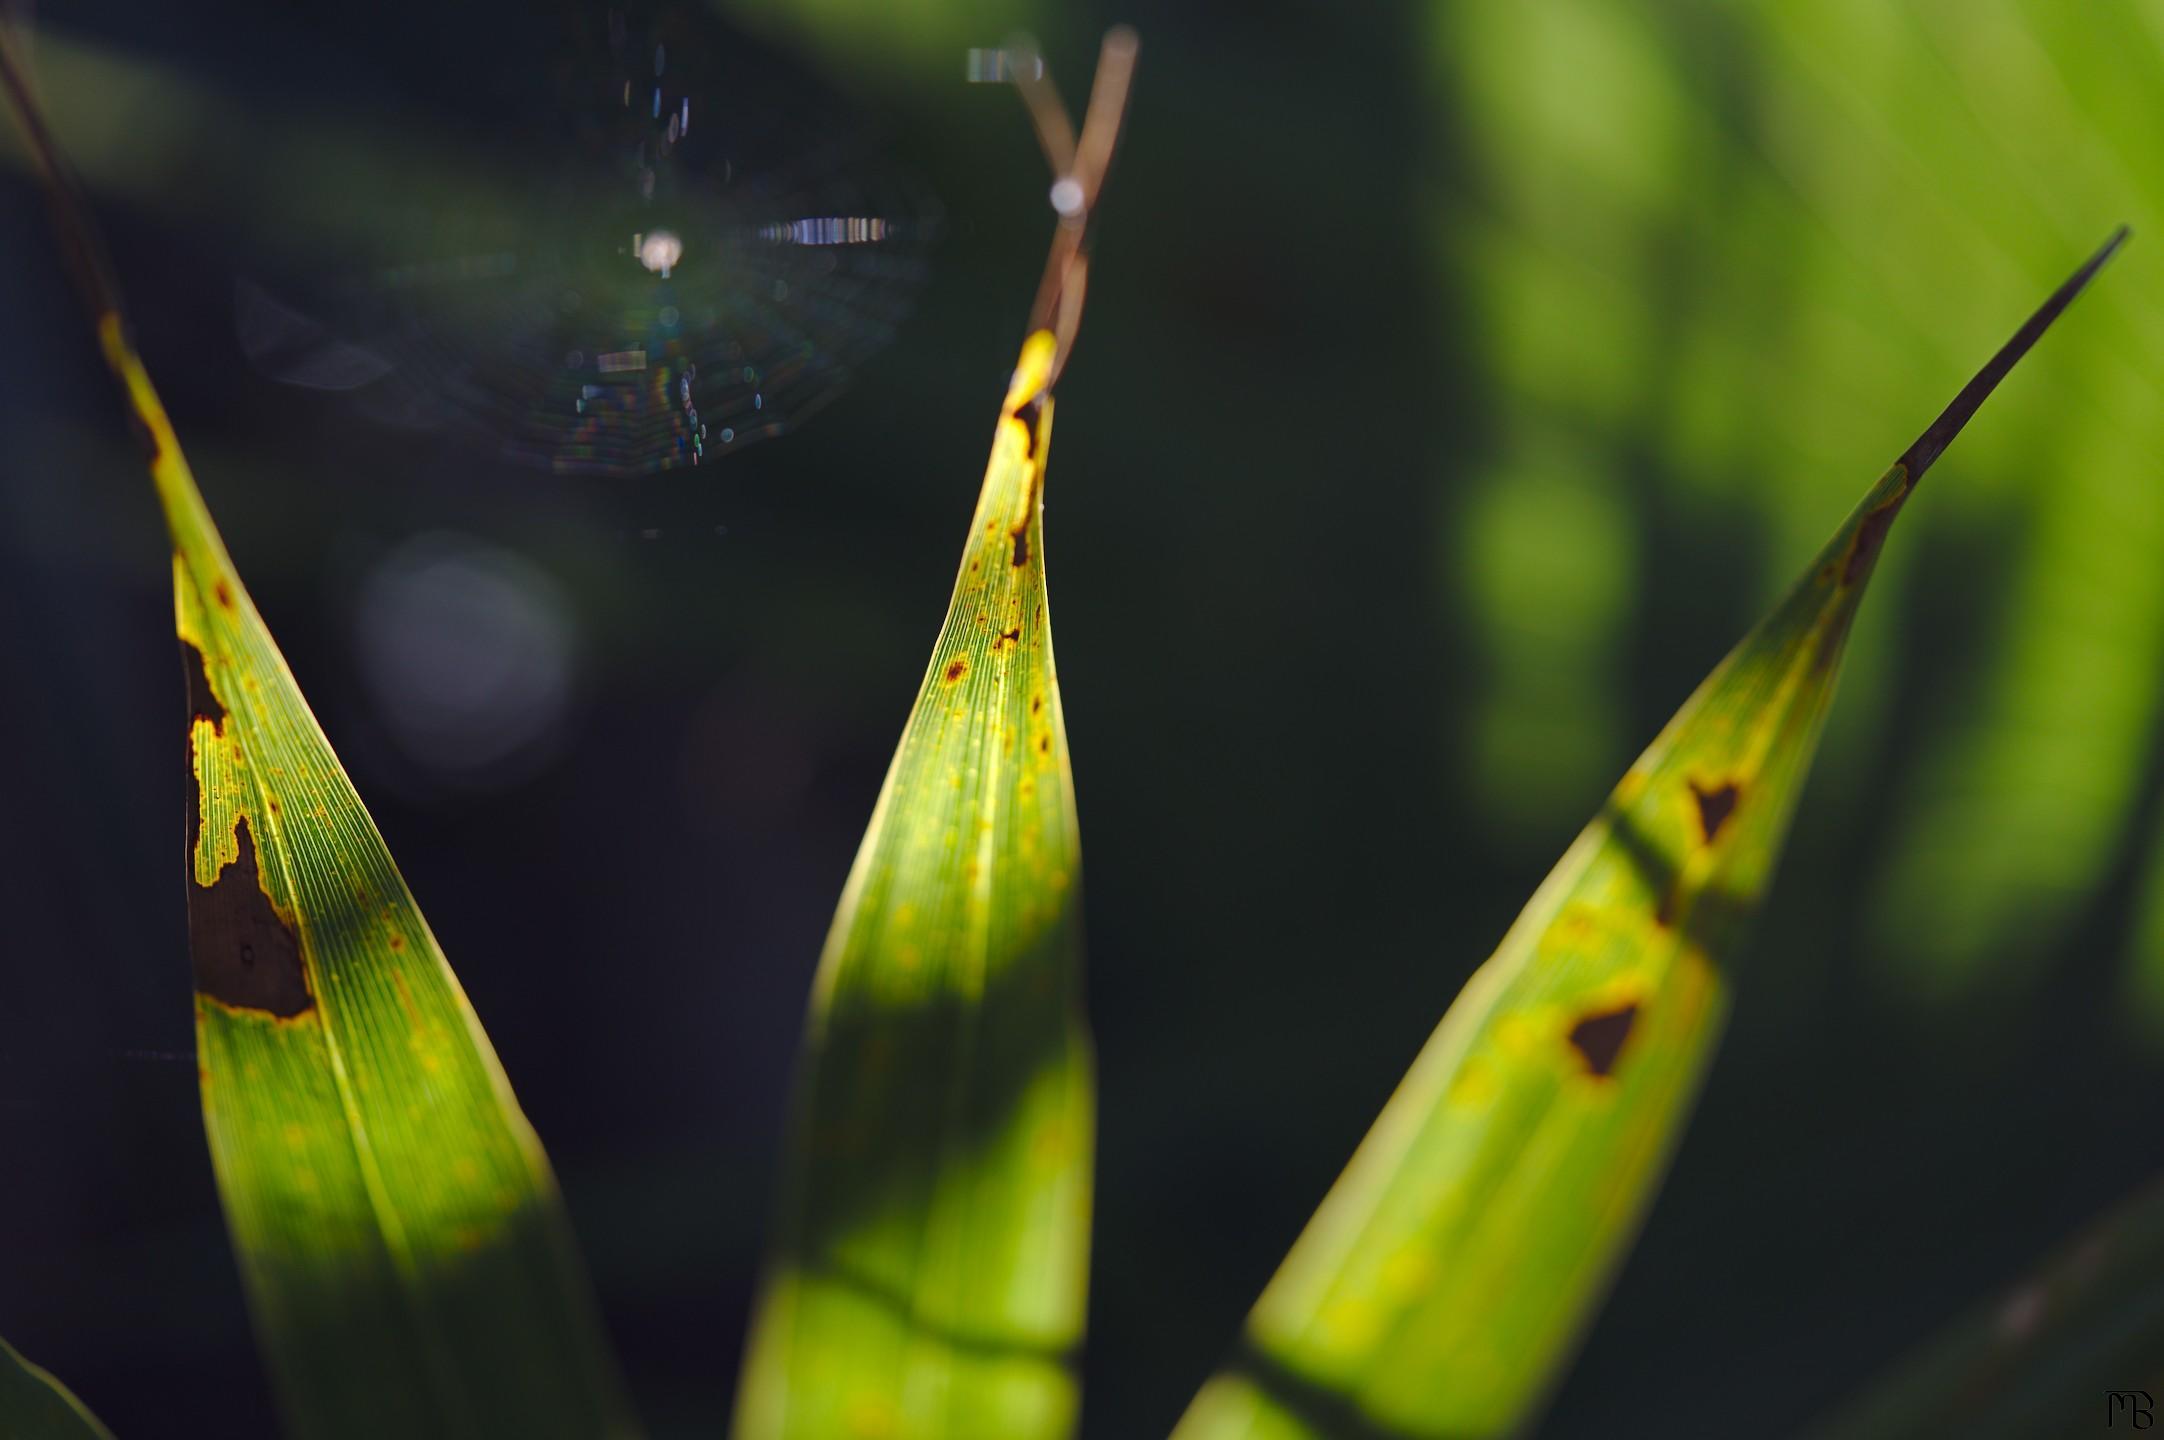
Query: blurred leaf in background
35, 1406
2083, 1333
924, 41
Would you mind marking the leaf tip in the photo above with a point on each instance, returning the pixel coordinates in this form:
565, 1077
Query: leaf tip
1933, 442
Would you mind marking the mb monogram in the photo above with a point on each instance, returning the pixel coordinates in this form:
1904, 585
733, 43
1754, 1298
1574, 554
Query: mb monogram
2129, 1406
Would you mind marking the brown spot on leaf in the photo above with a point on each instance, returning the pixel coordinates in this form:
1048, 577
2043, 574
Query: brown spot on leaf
956, 669
1870, 535
1036, 703
1715, 806
1599, 1038
405, 999
223, 594
1007, 638
1044, 744
144, 436
246, 956
1831, 639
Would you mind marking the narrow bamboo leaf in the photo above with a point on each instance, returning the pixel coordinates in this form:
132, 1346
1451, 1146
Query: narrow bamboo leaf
35, 1406
929, 1273
1441, 1285
2074, 1349
405, 1254
931, 1270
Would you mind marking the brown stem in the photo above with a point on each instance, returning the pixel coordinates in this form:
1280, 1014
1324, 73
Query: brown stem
1082, 163
82, 246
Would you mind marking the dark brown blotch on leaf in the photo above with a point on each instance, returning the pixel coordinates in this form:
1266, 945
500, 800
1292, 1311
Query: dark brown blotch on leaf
1029, 412
956, 669
1715, 806
246, 956
1599, 1038
1008, 637
202, 703
223, 594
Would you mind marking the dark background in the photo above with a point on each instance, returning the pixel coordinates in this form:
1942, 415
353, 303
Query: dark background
1458, 383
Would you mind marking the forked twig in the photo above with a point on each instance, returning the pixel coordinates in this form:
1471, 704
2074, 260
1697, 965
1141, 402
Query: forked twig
1079, 168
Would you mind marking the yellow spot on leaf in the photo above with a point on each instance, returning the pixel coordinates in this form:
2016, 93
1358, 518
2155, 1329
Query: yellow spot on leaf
871, 1418
1408, 1272
1475, 1083
1349, 1324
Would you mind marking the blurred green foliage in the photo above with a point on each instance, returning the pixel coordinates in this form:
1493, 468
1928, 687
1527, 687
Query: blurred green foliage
35, 1406
922, 40
1717, 255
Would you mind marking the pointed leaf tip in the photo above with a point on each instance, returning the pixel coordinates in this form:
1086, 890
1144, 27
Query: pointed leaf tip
1941, 432
1447, 1279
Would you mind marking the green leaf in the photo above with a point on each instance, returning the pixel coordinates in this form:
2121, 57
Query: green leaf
931, 1269
2044, 1358
931, 1265
1442, 1284
406, 1256
407, 1261
35, 1406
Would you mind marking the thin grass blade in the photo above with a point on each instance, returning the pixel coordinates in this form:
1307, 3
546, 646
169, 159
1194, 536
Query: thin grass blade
2076, 1347
407, 1261
931, 1271
1441, 1286
35, 1406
